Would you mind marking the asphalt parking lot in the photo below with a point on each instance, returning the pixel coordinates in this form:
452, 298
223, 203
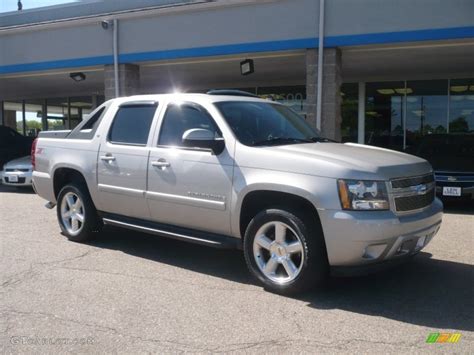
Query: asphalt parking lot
132, 293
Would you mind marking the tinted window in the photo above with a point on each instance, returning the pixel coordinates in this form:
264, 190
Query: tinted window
86, 129
132, 124
91, 123
261, 123
179, 118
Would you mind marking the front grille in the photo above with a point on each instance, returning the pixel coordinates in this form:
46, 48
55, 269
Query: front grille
21, 180
412, 181
414, 202
13, 170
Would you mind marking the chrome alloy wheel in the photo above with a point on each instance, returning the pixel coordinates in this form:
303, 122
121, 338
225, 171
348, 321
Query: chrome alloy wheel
72, 213
278, 252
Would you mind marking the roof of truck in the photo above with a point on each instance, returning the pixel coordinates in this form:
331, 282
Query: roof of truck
196, 97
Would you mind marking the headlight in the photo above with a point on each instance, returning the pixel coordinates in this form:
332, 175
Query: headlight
363, 195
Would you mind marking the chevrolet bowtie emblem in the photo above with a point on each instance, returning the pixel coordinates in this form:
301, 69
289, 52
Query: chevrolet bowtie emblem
419, 189
452, 178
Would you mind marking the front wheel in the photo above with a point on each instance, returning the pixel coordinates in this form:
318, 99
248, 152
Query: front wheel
286, 251
76, 213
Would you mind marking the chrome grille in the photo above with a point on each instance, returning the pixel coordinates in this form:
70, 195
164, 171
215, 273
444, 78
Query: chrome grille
413, 193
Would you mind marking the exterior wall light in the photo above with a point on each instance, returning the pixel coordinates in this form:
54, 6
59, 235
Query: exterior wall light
246, 67
106, 24
77, 76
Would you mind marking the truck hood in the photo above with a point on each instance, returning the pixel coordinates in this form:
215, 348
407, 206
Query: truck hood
353, 161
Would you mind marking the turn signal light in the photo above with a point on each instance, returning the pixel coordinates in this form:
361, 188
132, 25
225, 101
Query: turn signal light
33, 153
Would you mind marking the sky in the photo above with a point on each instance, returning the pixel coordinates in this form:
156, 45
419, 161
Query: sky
11, 5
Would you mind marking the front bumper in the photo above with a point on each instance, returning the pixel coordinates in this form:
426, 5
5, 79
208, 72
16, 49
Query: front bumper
362, 238
16, 178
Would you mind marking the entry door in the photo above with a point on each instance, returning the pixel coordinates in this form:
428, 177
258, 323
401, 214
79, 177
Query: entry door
189, 187
123, 161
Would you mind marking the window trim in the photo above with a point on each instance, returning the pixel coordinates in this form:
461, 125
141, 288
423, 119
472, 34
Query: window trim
191, 104
76, 132
131, 105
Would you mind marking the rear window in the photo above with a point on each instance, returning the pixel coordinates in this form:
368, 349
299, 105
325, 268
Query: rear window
131, 125
87, 128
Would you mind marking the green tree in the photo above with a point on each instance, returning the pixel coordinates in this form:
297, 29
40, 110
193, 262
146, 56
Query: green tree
459, 125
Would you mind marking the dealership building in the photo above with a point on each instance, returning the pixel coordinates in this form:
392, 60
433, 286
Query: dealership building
381, 72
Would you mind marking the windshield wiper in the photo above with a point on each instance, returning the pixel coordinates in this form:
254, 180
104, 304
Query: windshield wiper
282, 140
320, 139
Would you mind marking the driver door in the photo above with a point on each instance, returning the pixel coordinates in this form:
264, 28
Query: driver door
189, 187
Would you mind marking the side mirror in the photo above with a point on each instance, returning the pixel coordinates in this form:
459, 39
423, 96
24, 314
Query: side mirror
203, 138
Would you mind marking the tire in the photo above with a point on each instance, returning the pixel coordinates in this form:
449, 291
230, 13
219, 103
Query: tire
309, 264
68, 203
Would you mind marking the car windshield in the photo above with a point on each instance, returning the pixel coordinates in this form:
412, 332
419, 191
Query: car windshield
261, 123
448, 152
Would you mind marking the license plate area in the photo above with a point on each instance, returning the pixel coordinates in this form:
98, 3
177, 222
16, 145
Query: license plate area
451, 191
13, 178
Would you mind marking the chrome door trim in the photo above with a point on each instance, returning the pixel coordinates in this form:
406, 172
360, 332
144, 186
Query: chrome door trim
186, 200
121, 190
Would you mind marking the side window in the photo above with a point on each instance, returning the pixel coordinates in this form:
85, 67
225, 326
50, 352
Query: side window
179, 118
93, 121
132, 124
86, 129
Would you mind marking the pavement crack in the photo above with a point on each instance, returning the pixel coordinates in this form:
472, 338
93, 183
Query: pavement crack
37, 268
164, 279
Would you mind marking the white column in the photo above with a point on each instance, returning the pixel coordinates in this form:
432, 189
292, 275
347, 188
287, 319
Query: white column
361, 114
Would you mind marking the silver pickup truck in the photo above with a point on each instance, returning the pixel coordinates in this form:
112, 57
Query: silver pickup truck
225, 169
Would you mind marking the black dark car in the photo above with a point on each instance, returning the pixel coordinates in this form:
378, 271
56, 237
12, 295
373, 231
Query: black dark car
452, 158
13, 145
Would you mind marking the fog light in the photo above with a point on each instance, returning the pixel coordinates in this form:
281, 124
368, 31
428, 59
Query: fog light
374, 251
420, 243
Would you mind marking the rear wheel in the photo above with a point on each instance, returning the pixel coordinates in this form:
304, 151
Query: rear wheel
76, 213
286, 251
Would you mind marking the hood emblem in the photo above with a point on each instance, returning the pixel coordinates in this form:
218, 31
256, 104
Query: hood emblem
452, 178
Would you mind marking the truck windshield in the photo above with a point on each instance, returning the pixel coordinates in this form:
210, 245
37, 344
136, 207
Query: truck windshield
261, 124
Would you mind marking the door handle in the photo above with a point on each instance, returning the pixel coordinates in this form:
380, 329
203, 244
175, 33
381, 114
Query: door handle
107, 157
161, 163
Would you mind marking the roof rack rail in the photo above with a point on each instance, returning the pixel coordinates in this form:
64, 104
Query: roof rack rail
230, 92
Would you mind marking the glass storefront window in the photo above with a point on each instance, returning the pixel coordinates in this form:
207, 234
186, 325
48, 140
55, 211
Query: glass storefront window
58, 114
461, 106
384, 114
80, 108
13, 115
349, 112
33, 117
291, 96
427, 109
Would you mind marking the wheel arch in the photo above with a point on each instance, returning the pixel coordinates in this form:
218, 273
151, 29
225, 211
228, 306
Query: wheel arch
64, 175
255, 200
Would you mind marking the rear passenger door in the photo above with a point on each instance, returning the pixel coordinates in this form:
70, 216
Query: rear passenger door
123, 160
